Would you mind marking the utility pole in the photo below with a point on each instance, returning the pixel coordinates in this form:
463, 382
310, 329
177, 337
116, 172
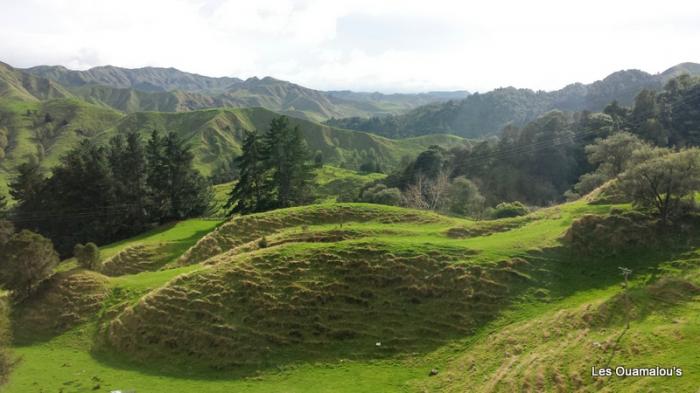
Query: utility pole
626, 272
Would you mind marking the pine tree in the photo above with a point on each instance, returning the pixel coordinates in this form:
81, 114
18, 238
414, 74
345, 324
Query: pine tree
156, 178
128, 163
250, 192
177, 190
288, 162
29, 181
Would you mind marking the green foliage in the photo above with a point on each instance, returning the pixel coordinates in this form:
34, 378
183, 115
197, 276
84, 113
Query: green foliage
509, 209
26, 259
318, 159
104, 193
177, 190
464, 197
275, 171
486, 114
287, 160
249, 194
88, 255
224, 172
381, 194
667, 184
611, 156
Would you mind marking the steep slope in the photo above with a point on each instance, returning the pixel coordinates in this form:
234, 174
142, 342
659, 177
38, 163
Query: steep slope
50, 128
149, 79
487, 113
47, 129
216, 134
20, 85
172, 90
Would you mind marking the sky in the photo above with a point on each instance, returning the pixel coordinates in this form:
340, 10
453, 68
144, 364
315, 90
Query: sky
362, 45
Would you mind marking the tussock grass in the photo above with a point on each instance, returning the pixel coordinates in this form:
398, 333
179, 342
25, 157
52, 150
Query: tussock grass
62, 302
245, 229
554, 352
297, 302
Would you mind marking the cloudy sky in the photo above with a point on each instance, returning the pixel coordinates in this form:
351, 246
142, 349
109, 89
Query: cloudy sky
373, 45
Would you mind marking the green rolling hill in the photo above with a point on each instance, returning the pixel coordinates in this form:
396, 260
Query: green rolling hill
359, 298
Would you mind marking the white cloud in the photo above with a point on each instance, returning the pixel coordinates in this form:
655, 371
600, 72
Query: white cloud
362, 45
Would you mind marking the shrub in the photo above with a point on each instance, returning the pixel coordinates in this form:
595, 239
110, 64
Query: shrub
464, 197
382, 195
262, 243
509, 209
26, 259
88, 255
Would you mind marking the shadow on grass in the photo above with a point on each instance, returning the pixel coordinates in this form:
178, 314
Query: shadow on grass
558, 270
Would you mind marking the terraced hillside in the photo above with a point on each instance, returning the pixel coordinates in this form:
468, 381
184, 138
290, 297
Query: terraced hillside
359, 298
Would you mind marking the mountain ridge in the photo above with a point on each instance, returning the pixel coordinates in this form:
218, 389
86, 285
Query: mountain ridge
173, 90
484, 114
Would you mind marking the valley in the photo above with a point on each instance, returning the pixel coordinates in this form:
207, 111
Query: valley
164, 231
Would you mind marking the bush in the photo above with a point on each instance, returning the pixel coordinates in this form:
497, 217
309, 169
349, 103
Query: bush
382, 195
464, 197
88, 255
509, 209
262, 243
26, 259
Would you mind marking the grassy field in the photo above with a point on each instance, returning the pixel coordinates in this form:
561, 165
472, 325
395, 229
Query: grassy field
493, 305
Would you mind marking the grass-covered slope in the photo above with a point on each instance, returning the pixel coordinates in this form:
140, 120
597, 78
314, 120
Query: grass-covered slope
216, 134
506, 305
47, 129
50, 128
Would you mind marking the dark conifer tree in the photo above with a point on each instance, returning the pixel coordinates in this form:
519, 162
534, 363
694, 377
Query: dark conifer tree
288, 162
250, 192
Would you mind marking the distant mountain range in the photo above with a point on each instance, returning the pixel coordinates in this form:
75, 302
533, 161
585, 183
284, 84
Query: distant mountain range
486, 114
44, 117
172, 90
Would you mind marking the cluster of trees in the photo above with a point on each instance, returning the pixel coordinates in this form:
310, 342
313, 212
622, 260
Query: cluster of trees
487, 113
670, 117
26, 259
105, 193
556, 156
275, 170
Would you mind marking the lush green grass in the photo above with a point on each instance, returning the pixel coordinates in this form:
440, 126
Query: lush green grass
539, 315
331, 183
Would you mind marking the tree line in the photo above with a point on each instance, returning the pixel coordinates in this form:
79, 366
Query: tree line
105, 193
275, 170
559, 156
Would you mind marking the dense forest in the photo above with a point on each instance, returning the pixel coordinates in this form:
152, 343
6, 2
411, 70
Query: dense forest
486, 114
556, 156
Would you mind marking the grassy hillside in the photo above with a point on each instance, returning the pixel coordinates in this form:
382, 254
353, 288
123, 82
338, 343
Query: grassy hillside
50, 128
360, 298
215, 134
